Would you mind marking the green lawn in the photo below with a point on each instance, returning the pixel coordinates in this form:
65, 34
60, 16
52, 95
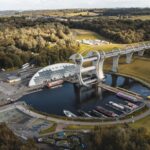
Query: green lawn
139, 68
83, 13
141, 17
49, 130
145, 122
81, 34
79, 127
105, 47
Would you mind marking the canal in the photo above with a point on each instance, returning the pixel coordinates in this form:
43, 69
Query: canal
54, 101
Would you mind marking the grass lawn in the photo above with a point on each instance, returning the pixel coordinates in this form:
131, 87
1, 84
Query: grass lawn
139, 68
83, 13
143, 17
145, 122
50, 129
86, 34
81, 34
79, 127
105, 47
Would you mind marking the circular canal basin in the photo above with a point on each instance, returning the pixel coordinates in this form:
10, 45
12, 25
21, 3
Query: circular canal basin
54, 101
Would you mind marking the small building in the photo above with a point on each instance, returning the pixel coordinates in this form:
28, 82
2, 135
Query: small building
13, 79
25, 66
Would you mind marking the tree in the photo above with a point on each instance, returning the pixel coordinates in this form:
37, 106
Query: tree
9, 141
119, 138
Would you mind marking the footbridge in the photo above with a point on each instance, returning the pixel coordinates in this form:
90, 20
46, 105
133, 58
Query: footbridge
86, 70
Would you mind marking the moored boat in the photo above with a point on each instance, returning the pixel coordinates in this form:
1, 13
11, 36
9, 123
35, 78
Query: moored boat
69, 114
127, 97
54, 83
106, 112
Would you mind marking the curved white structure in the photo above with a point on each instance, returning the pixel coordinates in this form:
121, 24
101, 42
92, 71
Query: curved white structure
53, 73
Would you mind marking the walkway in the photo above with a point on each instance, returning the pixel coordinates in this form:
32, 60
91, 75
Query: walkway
116, 90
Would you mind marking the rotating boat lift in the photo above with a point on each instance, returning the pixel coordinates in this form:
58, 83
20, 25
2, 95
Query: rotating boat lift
91, 65
93, 73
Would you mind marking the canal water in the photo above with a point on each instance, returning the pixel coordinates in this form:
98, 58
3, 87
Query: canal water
54, 101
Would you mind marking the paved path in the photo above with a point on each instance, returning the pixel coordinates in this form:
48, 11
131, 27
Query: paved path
117, 90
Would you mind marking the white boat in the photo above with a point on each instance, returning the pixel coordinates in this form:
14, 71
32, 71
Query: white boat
69, 114
119, 106
54, 84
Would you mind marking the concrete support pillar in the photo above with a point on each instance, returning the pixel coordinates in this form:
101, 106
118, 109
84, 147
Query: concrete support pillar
77, 90
126, 82
141, 53
115, 63
80, 76
129, 57
97, 91
114, 80
100, 69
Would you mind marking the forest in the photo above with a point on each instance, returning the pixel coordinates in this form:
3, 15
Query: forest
40, 44
126, 11
119, 138
120, 31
